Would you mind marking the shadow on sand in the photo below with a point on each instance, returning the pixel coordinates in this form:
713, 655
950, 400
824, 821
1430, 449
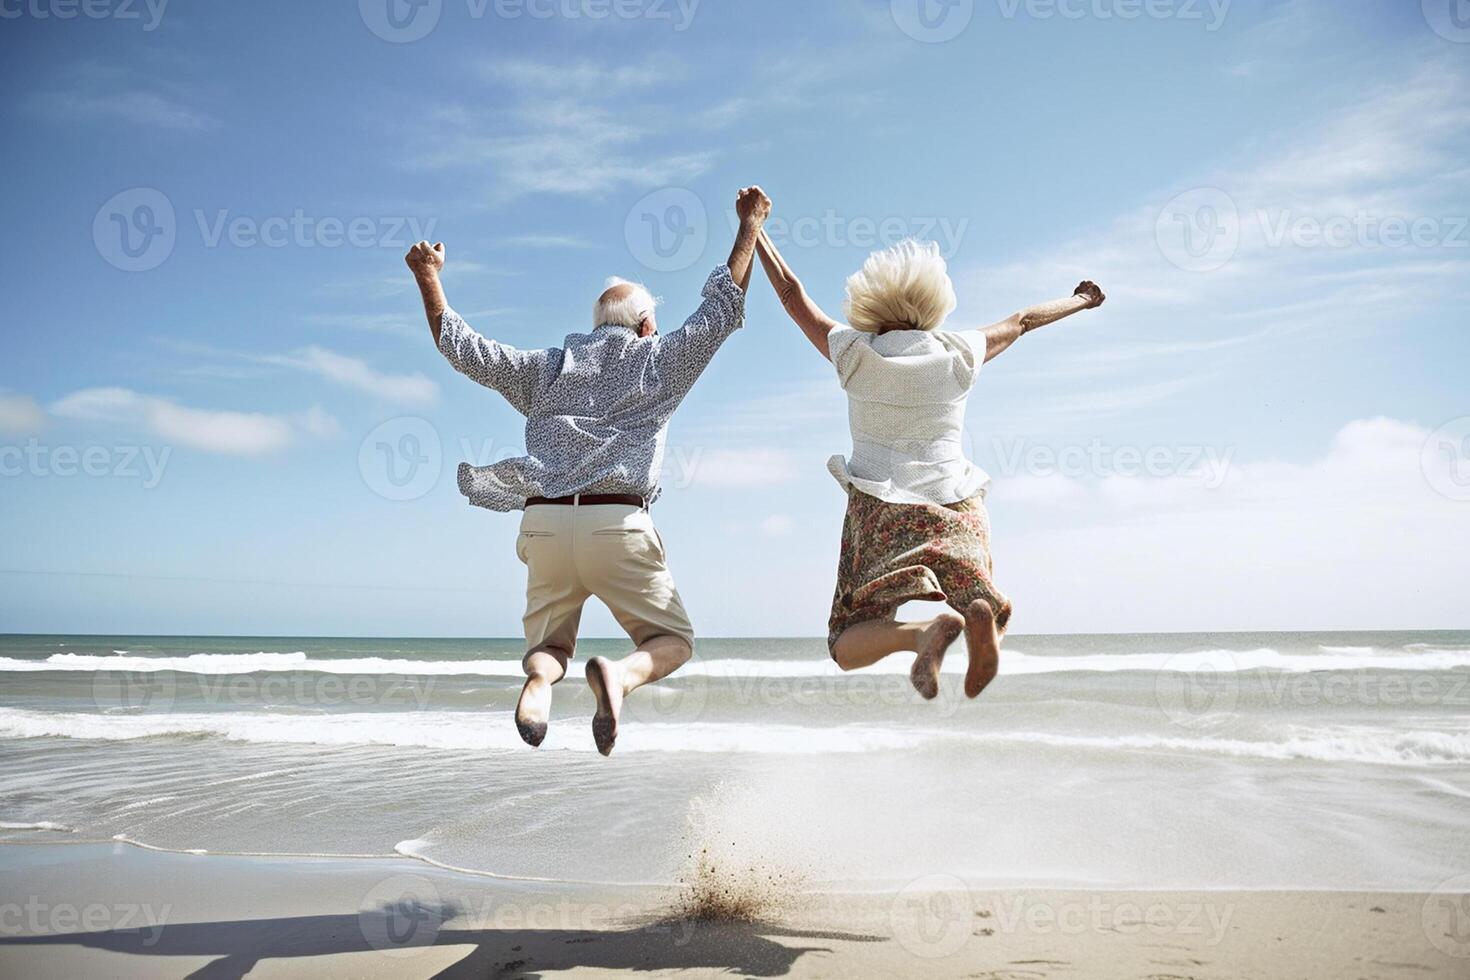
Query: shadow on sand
664, 944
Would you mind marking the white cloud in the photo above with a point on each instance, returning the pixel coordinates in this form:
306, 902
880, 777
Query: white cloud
19, 414
588, 79
93, 92
1382, 157
741, 468
548, 241
777, 526
351, 372
226, 432
569, 146
1358, 538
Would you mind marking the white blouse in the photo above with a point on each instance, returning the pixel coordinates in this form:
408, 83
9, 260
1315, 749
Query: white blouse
906, 394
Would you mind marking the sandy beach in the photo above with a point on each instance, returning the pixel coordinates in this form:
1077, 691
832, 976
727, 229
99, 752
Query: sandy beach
121, 911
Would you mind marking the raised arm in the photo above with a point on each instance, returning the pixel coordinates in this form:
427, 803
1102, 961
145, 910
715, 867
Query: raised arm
753, 207
799, 306
516, 374
427, 261
999, 336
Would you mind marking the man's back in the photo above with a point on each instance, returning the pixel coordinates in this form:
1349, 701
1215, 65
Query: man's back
596, 408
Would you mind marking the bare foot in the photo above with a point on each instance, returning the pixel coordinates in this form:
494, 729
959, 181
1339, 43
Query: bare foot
984, 644
533, 710
607, 687
938, 635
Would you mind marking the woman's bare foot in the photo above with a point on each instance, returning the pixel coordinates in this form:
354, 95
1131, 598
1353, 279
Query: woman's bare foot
606, 682
984, 643
937, 637
533, 710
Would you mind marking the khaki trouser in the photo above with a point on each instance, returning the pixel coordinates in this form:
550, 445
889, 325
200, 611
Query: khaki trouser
611, 551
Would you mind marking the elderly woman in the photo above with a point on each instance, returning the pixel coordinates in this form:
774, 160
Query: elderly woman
916, 526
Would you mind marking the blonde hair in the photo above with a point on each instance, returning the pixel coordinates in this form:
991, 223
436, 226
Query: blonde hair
905, 287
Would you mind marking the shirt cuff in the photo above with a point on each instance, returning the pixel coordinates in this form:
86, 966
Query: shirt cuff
722, 285
450, 327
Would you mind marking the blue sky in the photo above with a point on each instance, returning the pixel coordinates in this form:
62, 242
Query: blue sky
1265, 427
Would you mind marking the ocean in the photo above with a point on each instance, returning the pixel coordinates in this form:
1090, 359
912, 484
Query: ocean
1159, 761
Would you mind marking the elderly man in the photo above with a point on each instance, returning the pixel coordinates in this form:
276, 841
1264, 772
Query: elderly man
597, 411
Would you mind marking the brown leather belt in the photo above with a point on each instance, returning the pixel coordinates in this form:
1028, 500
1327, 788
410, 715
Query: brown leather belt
590, 499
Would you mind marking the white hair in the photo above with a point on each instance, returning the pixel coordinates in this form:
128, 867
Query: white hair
905, 287
629, 311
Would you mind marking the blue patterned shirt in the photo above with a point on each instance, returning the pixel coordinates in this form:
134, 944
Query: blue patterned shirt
597, 408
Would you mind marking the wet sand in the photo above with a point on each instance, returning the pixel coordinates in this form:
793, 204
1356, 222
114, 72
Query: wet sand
83, 910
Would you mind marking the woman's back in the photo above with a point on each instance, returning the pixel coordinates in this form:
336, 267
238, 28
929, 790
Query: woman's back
906, 392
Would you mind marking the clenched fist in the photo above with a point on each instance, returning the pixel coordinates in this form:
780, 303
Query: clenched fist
752, 205
1089, 291
425, 260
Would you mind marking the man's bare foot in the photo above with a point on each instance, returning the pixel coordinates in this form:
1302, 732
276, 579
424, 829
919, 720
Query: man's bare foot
984, 644
938, 635
606, 683
533, 710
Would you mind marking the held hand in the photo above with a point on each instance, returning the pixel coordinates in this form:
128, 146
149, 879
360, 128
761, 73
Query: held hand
1089, 291
753, 206
425, 260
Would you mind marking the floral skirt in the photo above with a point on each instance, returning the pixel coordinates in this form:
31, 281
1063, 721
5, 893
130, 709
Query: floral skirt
896, 553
